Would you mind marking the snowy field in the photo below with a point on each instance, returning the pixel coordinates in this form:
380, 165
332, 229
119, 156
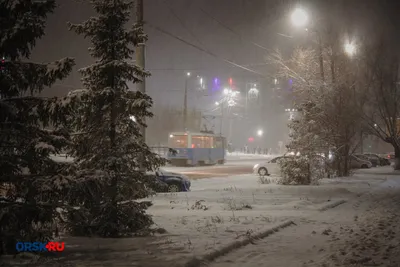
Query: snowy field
219, 211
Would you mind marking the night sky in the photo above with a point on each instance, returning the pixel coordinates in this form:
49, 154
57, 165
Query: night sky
257, 27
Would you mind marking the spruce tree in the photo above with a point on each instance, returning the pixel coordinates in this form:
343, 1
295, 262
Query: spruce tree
30, 182
109, 151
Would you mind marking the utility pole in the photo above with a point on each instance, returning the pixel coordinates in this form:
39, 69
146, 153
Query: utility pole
141, 56
222, 118
185, 111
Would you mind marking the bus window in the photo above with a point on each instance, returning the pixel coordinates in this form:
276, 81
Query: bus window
202, 141
178, 141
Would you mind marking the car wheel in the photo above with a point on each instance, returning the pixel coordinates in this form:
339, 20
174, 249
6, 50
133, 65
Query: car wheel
173, 188
262, 171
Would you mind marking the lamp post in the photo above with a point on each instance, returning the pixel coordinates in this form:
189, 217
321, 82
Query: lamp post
185, 100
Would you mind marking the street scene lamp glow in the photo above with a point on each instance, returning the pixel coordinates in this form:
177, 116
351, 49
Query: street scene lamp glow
226, 91
217, 103
188, 74
231, 103
133, 118
260, 132
299, 18
350, 49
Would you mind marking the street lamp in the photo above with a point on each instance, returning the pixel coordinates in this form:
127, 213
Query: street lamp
133, 118
260, 132
299, 17
188, 74
350, 49
217, 103
226, 91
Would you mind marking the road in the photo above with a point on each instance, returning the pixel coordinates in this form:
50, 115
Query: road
232, 167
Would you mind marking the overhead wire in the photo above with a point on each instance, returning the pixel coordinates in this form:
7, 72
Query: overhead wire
231, 30
204, 50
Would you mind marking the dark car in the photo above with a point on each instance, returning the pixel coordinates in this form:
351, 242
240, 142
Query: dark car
373, 160
164, 181
381, 161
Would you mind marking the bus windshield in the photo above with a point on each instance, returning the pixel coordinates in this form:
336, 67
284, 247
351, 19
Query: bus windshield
178, 141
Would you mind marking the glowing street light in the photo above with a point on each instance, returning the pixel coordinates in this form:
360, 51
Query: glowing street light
133, 118
299, 17
188, 74
260, 132
350, 49
217, 103
226, 91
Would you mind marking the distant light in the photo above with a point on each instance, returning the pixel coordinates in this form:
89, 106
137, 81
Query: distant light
290, 81
133, 118
216, 81
275, 81
230, 82
217, 103
188, 74
251, 139
350, 49
260, 132
299, 18
255, 85
375, 125
201, 80
226, 91
171, 136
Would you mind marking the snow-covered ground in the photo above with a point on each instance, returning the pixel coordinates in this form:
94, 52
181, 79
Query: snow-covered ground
219, 211
365, 231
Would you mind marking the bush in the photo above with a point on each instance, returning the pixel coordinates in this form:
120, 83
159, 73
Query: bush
301, 170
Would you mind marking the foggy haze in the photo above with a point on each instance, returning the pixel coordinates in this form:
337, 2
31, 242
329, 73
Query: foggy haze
258, 27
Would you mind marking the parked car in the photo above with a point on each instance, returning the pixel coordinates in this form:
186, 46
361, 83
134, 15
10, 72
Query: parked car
381, 161
272, 167
373, 160
165, 181
357, 163
269, 167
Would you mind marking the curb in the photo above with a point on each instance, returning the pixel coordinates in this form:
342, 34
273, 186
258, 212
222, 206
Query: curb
332, 205
197, 262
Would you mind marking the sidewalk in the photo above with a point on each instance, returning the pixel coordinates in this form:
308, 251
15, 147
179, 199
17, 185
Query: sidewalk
362, 232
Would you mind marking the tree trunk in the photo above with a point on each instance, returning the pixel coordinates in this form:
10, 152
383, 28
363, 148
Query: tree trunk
346, 170
396, 157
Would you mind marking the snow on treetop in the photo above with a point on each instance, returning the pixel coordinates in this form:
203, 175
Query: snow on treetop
43, 146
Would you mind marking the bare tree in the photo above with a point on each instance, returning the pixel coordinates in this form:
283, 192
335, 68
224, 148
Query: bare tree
382, 112
331, 101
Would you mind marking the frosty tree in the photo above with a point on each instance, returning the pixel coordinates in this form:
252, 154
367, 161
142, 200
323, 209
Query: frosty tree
109, 150
30, 181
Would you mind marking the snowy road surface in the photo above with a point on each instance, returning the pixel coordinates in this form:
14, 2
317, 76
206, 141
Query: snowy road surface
362, 232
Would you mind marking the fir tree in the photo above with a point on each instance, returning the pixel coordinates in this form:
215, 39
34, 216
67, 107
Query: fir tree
30, 181
109, 150
308, 145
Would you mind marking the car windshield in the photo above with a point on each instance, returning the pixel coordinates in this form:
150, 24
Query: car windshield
274, 160
362, 157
